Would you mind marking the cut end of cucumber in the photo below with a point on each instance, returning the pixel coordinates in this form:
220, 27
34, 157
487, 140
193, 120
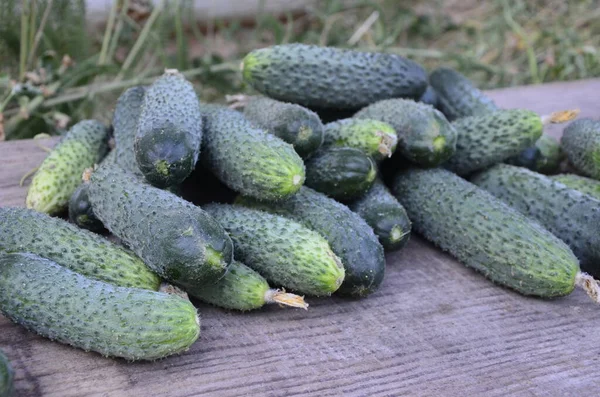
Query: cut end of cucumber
388, 143
297, 179
285, 299
162, 167
439, 143
304, 133
215, 259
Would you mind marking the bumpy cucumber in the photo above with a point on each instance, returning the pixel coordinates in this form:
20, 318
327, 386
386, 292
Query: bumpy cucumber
247, 159
545, 156
6, 377
349, 236
581, 144
493, 137
486, 234
176, 239
125, 121
375, 138
169, 130
79, 250
65, 306
425, 137
585, 185
430, 97
81, 212
282, 250
60, 173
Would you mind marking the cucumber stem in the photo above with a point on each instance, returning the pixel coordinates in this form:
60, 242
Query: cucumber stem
173, 290
589, 285
560, 117
283, 298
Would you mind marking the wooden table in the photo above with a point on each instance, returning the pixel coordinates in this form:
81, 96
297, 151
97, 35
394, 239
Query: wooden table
434, 328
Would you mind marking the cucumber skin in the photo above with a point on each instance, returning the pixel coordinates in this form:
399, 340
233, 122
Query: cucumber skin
176, 239
570, 215
125, 121
65, 306
81, 212
6, 377
169, 131
583, 184
543, 157
79, 250
84, 145
430, 97
349, 236
331, 77
374, 138
486, 234
581, 144
281, 250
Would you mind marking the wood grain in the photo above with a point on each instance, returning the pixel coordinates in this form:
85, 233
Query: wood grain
434, 328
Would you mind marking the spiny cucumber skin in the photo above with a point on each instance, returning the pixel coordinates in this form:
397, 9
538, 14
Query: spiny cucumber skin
583, 184
486, 234
169, 131
492, 138
6, 377
60, 173
375, 138
176, 239
125, 120
67, 307
570, 215
544, 157
388, 218
293, 123
247, 159
457, 97
425, 137
331, 77
349, 236
581, 144
23, 230
281, 250
81, 212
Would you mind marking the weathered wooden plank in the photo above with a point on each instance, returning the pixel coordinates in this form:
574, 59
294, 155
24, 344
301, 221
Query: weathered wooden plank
434, 328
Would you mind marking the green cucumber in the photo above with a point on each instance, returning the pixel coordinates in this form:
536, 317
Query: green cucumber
375, 138
169, 130
429, 97
84, 145
81, 212
425, 137
340, 172
349, 236
77, 249
6, 377
583, 184
176, 239
486, 234
544, 157
282, 250
67, 307
581, 144
125, 121
492, 138
388, 218
331, 77
247, 159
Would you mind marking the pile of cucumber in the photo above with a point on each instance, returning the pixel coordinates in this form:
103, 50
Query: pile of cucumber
306, 208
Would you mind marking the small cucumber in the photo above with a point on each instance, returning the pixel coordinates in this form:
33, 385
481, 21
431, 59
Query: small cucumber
6, 377
340, 172
125, 121
581, 144
374, 138
67, 307
544, 157
81, 212
583, 184
283, 251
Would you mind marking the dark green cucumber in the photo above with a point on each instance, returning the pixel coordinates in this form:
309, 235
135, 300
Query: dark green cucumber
457, 96
247, 159
425, 137
570, 215
486, 234
125, 121
77, 249
349, 236
84, 145
544, 157
292, 123
331, 77
81, 212
581, 144
375, 138
430, 97
583, 184
282, 250
388, 218
176, 239
169, 130
6, 377
492, 138
340, 172
67, 307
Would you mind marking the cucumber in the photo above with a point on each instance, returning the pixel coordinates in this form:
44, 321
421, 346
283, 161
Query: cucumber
492, 138
125, 121
283, 251
247, 159
388, 218
169, 130
79, 250
243, 289
374, 138
81, 212
340, 172
6, 377
544, 157
430, 97
60, 173
292, 123
570, 215
457, 96
585, 185
67, 307
176, 239
581, 144
349, 236
331, 77
425, 137
486, 234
